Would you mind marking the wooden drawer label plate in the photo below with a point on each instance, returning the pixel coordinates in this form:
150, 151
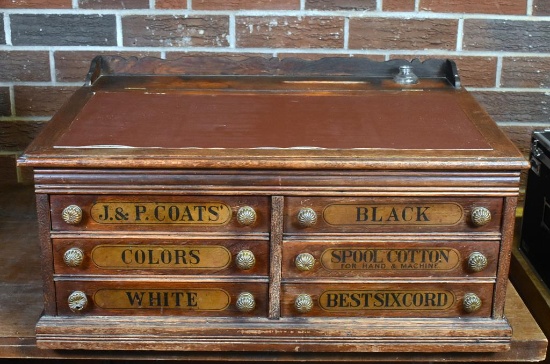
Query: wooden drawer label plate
198, 299
393, 214
194, 213
344, 300
161, 257
349, 258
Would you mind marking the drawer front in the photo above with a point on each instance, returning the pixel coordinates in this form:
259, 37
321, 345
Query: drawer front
387, 300
161, 298
389, 259
161, 256
242, 214
307, 215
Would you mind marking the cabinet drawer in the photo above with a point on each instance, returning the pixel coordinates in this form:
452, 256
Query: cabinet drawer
161, 298
306, 215
240, 214
389, 259
215, 256
387, 300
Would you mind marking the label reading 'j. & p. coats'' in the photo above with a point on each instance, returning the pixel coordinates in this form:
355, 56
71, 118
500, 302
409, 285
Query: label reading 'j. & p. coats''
192, 213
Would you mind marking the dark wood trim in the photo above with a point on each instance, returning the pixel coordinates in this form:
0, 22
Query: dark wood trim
277, 215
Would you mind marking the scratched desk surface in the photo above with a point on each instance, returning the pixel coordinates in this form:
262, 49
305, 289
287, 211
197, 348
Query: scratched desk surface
21, 305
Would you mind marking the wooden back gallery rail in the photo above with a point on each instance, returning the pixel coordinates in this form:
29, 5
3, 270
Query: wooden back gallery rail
315, 206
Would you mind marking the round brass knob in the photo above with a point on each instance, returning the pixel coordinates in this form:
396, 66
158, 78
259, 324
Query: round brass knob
246, 216
471, 302
480, 216
245, 302
304, 261
245, 259
477, 262
307, 217
72, 214
73, 257
77, 301
303, 303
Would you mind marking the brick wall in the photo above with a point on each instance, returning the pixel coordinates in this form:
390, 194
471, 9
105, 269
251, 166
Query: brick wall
502, 47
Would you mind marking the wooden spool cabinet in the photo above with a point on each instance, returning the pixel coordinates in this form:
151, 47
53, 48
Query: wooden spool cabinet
331, 205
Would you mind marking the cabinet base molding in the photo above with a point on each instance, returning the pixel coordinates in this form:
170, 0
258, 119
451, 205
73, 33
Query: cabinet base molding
296, 335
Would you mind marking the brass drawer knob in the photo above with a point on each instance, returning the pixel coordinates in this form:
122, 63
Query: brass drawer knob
303, 303
246, 216
307, 217
481, 216
245, 302
304, 261
77, 301
73, 257
72, 214
471, 302
477, 262
245, 260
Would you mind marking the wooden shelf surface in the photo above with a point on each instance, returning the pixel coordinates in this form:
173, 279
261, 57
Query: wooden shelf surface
21, 304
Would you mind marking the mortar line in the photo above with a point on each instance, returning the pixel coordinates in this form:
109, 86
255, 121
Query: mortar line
460, 35
529, 7
232, 36
119, 38
53, 76
498, 75
346, 33
7, 29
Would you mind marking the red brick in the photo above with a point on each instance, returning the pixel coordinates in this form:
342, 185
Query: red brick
341, 4
24, 66
63, 29
521, 136
74, 66
176, 31
477, 71
171, 4
113, 4
541, 7
526, 72
508, 7
38, 4
5, 103
473, 71
506, 35
245, 5
290, 32
398, 5
527, 107
40, 101
216, 63
17, 135
380, 33
316, 56
214, 55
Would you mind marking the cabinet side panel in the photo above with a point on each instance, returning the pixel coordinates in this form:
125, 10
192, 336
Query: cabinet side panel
44, 224
508, 220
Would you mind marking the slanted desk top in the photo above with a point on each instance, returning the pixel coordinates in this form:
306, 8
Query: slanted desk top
360, 119
316, 206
